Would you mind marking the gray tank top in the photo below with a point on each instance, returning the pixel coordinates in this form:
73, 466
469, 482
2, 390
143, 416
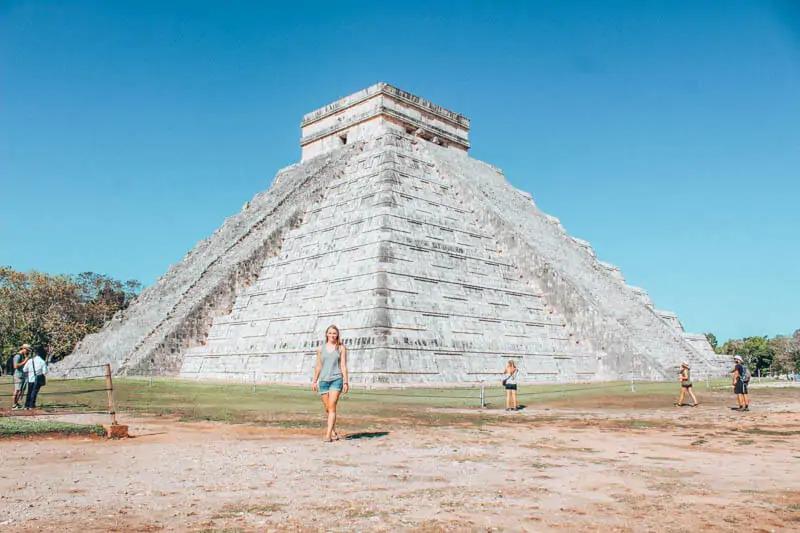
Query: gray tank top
331, 369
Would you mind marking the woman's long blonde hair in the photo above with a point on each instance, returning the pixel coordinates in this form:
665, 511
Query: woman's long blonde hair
511, 364
338, 335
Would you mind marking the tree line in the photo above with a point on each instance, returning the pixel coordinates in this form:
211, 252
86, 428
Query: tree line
53, 313
778, 355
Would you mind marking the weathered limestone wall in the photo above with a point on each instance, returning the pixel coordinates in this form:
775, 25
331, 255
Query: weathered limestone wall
591, 294
151, 336
422, 293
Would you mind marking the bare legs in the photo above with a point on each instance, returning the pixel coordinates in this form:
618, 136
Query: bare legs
511, 400
744, 401
18, 394
329, 401
683, 395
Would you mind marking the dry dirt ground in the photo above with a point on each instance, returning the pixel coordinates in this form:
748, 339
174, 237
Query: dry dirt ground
601, 466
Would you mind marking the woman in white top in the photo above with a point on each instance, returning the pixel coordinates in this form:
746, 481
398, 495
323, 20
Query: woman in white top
330, 377
35, 369
510, 383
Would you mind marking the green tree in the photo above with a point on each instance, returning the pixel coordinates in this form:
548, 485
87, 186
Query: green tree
712, 340
732, 347
757, 353
55, 312
782, 346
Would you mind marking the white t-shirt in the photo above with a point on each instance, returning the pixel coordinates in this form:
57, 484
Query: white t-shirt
33, 367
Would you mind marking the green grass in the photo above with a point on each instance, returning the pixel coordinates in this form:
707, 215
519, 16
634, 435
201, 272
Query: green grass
299, 407
13, 427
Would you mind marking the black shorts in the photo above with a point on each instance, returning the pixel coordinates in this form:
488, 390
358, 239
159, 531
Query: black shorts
740, 387
511, 387
686, 384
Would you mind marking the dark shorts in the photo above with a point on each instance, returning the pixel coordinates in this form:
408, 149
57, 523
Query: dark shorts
511, 387
740, 387
686, 384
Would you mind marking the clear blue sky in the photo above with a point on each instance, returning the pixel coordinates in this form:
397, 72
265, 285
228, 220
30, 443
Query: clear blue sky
666, 133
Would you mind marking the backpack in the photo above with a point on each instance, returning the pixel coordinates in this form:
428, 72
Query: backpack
745, 377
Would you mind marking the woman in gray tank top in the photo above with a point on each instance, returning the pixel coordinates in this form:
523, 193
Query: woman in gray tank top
330, 377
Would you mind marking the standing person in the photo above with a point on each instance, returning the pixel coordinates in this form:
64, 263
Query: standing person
740, 382
20, 381
510, 383
36, 369
330, 377
685, 378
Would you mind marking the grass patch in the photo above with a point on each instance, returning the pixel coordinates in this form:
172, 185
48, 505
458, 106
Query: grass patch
232, 511
15, 427
759, 431
361, 410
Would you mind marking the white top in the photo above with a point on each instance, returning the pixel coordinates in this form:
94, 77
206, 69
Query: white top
35, 366
511, 379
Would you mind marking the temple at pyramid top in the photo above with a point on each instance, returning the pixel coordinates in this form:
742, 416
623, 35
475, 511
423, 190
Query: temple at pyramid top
380, 107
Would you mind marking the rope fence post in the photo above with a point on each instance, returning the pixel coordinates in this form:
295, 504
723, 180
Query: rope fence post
254, 380
113, 431
110, 390
483, 393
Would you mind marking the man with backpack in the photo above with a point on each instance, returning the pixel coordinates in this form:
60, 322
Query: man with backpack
741, 378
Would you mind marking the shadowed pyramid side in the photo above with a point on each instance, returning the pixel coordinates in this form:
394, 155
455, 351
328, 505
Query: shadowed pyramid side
151, 336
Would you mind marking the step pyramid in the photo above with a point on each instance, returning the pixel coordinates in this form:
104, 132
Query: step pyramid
433, 266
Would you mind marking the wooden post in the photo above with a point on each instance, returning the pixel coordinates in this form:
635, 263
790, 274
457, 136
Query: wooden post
113, 431
110, 391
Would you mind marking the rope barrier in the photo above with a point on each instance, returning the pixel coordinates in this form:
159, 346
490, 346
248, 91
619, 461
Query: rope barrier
82, 378
68, 370
67, 393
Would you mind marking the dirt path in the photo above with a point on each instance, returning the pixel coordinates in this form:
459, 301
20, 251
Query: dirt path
560, 469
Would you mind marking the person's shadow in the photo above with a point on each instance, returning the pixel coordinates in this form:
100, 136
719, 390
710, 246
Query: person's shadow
365, 435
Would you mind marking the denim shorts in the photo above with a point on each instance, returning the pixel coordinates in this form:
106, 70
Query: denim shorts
326, 386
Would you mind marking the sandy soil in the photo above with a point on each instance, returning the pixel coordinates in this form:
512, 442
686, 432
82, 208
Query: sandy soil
562, 468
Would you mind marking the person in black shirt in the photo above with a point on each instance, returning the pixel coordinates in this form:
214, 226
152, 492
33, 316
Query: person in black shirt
739, 385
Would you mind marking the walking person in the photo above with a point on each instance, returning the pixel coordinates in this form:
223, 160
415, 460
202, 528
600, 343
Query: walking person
20, 380
36, 369
741, 378
510, 383
685, 378
330, 377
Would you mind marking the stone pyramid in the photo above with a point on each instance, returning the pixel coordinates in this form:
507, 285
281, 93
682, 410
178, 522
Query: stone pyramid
434, 267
